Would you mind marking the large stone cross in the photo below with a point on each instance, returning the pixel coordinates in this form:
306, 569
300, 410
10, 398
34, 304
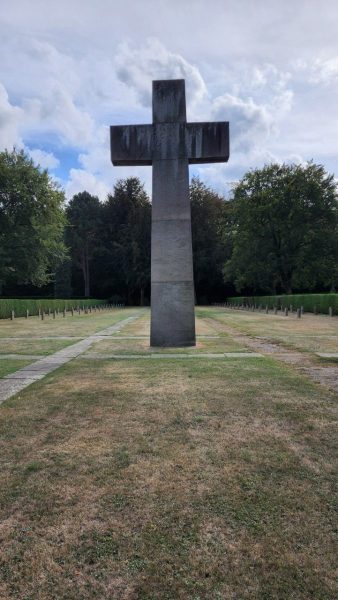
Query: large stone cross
169, 145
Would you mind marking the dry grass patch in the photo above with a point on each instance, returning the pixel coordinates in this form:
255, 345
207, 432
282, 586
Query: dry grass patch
204, 328
220, 342
139, 327
141, 346
79, 325
32, 346
168, 479
311, 333
142, 327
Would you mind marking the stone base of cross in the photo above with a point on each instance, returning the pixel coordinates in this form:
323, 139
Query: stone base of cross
170, 144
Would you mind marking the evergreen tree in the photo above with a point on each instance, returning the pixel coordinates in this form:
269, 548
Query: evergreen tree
211, 226
84, 214
127, 231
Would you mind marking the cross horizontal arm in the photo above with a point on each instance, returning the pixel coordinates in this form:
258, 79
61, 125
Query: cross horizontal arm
131, 145
207, 142
141, 144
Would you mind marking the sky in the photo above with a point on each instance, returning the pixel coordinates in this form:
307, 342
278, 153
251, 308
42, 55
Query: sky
71, 68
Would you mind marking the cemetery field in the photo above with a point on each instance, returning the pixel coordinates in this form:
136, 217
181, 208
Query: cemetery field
134, 473
77, 326
311, 333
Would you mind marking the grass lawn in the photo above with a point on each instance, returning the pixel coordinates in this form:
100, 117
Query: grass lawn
209, 339
32, 331
8, 366
33, 346
169, 479
311, 333
78, 326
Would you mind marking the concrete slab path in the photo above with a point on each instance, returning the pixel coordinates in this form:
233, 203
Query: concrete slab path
181, 355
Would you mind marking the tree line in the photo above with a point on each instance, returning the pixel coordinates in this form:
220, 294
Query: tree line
277, 233
109, 243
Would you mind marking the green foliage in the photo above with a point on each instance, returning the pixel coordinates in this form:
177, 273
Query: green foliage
126, 238
211, 221
20, 306
63, 280
286, 229
31, 221
279, 233
310, 302
84, 214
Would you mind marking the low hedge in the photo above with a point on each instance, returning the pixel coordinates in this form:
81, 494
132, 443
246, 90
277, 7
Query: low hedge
20, 306
319, 303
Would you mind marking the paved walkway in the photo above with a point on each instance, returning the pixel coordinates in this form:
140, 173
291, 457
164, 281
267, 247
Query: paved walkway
45, 337
15, 382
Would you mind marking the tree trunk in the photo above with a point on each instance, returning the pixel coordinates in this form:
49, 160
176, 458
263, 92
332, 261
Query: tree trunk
87, 279
286, 283
142, 297
85, 271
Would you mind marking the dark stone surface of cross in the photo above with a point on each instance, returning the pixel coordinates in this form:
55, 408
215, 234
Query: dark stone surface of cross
170, 144
199, 142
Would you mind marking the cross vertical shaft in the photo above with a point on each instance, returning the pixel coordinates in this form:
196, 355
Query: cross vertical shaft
172, 282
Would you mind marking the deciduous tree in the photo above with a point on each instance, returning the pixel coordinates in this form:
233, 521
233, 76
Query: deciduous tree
31, 221
285, 234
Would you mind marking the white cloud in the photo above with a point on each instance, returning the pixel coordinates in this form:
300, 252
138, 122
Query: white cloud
97, 157
81, 180
257, 107
69, 72
212, 32
58, 113
138, 66
324, 71
248, 120
46, 160
295, 159
320, 70
10, 119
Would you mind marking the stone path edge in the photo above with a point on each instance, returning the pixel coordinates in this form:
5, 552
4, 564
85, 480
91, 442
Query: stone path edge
21, 356
92, 356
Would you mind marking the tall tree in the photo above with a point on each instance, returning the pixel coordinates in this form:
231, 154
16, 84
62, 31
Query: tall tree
286, 229
63, 280
31, 222
84, 214
127, 225
211, 225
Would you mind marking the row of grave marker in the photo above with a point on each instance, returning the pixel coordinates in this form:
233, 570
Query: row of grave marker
283, 310
78, 310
